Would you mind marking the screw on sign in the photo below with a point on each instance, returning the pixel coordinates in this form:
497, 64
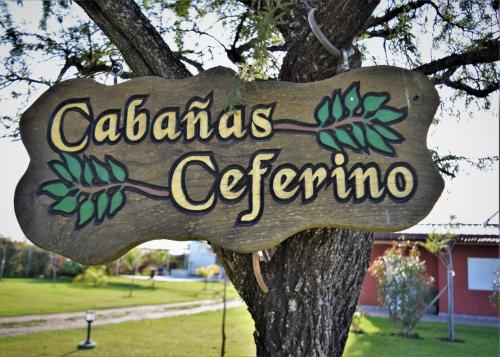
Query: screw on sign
112, 167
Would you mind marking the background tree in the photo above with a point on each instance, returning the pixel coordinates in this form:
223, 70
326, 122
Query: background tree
315, 276
441, 245
400, 275
207, 272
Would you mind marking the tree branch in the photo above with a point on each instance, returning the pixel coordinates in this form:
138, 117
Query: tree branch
138, 41
477, 92
406, 8
486, 52
393, 13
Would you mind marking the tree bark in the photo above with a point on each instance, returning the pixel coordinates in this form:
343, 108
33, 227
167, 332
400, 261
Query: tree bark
315, 276
140, 44
314, 280
341, 21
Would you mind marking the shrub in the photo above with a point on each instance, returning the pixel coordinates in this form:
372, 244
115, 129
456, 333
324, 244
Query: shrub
356, 322
94, 276
24, 260
207, 272
403, 286
495, 295
71, 268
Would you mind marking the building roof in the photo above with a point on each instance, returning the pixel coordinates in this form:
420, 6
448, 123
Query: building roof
485, 234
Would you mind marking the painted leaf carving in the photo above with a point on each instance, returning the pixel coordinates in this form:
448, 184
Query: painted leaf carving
102, 205
388, 115
387, 133
337, 109
85, 212
351, 99
88, 174
67, 205
117, 201
117, 170
101, 171
327, 139
74, 166
345, 138
377, 142
61, 171
323, 112
57, 189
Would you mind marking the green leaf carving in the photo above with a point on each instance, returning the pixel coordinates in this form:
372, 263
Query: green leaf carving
57, 189
101, 171
345, 138
85, 212
88, 174
117, 170
116, 201
377, 141
337, 109
327, 139
102, 205
323, 113
359, 135
351, 99
373, 102
387, 115
387, 133
61, 171
74, 166
66, 205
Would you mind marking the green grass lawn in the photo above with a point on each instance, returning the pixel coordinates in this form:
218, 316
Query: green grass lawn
377, 341
34, 296
193, 335
199, 335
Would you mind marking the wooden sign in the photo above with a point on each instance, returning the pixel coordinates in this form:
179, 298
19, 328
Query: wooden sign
243, 165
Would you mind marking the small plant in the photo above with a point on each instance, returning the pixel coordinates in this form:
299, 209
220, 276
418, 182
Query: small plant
403, 286
495, 295
356, 322
95, 276
207, 272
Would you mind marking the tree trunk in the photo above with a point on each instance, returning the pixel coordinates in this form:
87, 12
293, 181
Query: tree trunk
315, 276
314, 279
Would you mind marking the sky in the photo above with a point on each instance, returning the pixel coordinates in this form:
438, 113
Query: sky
472, 197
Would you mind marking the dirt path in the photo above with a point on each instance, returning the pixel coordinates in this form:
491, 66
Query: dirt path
21, 325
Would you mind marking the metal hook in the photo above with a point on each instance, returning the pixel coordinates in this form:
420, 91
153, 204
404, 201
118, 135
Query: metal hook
345, 65
116, 66
326, 43
320, 35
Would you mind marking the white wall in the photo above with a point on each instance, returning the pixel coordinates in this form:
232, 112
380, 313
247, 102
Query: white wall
200, 255
481, 273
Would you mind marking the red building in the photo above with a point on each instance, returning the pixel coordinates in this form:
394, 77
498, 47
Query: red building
476, 259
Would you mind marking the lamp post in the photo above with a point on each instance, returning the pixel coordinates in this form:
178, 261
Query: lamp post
88, 344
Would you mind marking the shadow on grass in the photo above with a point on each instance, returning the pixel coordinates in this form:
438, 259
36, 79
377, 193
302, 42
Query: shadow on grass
76, 350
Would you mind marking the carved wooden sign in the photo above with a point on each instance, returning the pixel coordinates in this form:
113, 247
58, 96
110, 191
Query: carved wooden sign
243, 165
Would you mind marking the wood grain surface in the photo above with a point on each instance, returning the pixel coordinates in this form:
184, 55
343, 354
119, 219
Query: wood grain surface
243, 165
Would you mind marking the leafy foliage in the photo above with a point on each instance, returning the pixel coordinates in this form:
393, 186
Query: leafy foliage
403, 286
94, 275
207, 272
87, 186
495, 295
349, 121
251, 35
23, 260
